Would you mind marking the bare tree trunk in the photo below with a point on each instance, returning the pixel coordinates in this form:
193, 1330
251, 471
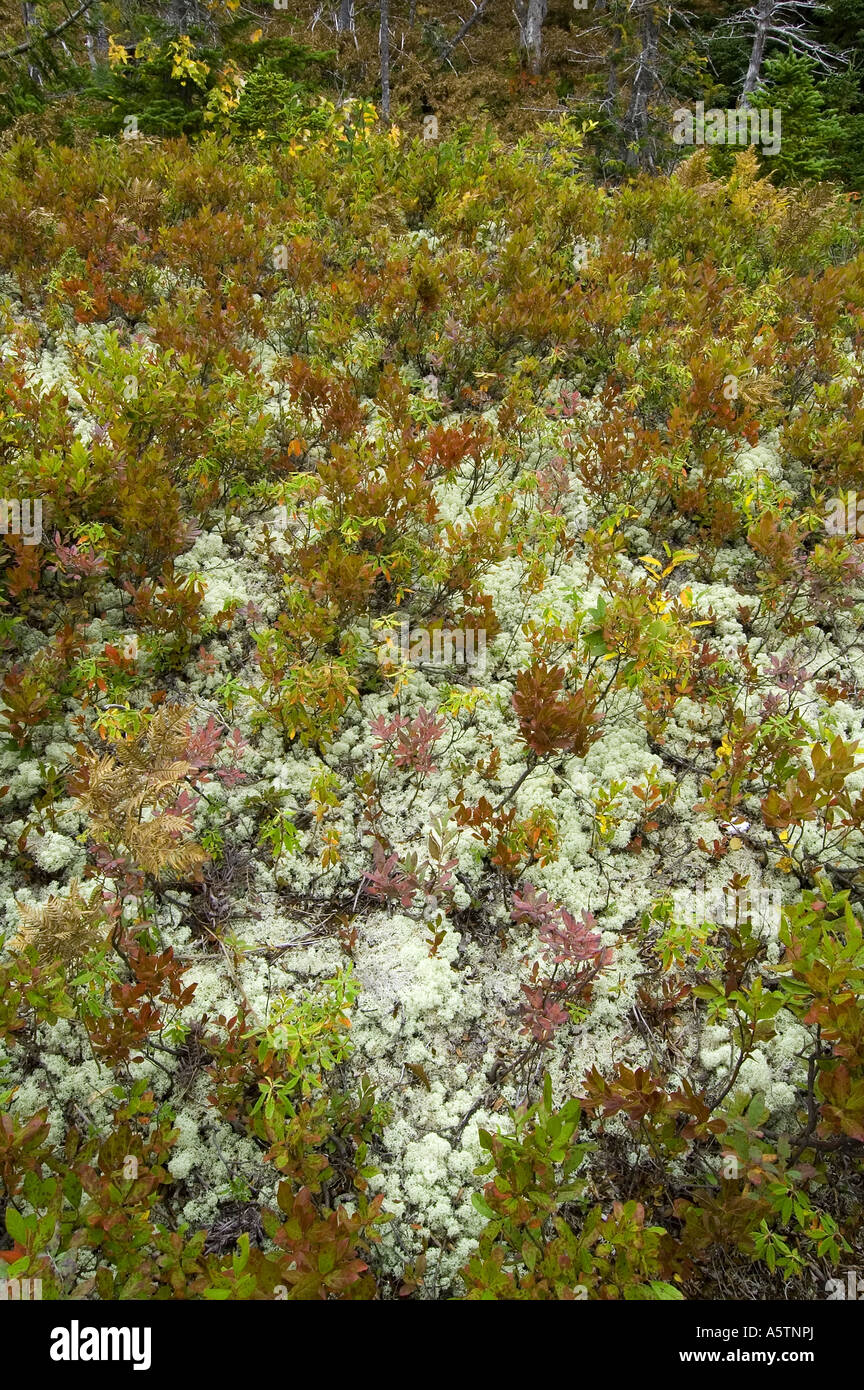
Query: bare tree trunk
638, 153
28, 15
384, 54
609, 104
764, 16
530, 15
610, 100
183, 14
97, 38
345, 17
534, 32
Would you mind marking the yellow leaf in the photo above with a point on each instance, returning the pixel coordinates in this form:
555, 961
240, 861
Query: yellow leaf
117, 55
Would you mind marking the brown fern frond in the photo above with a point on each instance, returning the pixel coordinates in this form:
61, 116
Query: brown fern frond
63, 929
154, 846
127, 793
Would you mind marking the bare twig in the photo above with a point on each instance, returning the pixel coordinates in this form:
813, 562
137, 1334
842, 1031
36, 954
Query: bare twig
463, 29
48, 34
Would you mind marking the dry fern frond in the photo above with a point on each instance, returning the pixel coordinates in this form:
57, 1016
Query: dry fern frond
161, 741
63, 928
155, 845
127, 794
113, 790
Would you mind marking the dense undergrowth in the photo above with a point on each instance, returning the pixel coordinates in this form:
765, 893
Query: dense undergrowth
332, 973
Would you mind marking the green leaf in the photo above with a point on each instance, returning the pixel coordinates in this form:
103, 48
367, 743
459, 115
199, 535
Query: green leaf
16, 1226
665, 1292
479, 1203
